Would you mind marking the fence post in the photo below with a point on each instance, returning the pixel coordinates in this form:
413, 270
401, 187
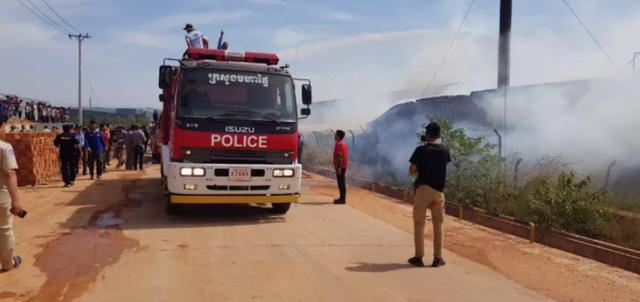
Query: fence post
606, 181
532, 232
353, 138
499, 142
515, 174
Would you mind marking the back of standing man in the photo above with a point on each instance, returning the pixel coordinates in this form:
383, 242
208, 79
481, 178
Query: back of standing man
340, 163
194, 38
138, 139
429, 163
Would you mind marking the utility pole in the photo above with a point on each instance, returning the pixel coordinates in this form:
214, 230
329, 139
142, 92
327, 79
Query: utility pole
504, 54
504, 48
80, 38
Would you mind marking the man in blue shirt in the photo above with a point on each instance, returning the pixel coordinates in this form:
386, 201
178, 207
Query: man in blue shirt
95, 149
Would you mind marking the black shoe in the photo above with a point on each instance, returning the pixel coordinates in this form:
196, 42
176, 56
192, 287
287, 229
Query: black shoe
16, 263
437, 262
339, 201
91, 177
416, 261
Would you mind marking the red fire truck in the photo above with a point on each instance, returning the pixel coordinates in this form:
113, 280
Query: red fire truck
229, 129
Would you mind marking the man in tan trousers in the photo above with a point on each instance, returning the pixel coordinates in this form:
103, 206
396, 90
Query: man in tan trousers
429, 163
9, 204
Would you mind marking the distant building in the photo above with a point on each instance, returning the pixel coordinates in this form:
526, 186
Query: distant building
99, 112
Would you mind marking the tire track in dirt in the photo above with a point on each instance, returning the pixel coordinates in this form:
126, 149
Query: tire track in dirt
72, 262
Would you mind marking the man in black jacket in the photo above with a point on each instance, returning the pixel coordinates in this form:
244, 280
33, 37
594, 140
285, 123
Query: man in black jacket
69, 147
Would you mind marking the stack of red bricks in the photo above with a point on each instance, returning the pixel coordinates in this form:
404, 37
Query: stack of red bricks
37, 157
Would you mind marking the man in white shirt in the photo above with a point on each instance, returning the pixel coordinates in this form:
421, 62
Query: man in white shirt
9, 205
194, 38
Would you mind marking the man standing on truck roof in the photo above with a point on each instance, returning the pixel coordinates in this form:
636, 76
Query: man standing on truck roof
194, 38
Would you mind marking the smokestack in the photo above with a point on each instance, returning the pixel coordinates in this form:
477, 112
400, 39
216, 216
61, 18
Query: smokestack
504, 48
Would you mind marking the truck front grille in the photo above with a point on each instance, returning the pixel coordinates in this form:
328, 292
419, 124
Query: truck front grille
238, 188
224, 156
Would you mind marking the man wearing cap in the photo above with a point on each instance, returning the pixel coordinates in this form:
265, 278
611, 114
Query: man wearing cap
194, 38
429, 164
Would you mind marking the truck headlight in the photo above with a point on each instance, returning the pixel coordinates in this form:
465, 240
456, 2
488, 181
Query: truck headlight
198, 172
288, 172
187, 171
283, 172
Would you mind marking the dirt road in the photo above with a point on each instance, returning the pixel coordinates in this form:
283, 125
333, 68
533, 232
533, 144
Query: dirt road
112, 241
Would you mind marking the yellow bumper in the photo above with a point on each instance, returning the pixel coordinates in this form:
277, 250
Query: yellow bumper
226, 199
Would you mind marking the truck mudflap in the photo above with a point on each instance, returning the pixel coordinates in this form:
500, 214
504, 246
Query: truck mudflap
233, 199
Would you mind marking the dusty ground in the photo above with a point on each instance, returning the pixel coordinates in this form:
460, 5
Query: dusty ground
112, 241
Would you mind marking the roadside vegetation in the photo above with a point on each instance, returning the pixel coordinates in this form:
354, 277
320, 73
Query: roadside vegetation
549, 193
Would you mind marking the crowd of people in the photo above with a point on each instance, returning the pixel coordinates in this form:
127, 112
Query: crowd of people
32, 110
93, 148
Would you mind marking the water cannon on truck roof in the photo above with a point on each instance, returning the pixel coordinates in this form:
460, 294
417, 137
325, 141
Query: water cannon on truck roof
229, 129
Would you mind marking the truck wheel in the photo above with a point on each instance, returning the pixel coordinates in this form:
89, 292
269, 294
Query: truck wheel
163, 184
281, 208
172, 209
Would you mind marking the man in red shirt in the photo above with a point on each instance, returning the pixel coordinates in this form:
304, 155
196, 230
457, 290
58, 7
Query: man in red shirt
106, 140
340, 163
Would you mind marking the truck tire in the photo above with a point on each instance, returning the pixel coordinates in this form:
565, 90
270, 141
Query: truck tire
281, 208
172, 209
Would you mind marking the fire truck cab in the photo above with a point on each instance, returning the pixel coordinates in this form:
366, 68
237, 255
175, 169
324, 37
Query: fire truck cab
229, 129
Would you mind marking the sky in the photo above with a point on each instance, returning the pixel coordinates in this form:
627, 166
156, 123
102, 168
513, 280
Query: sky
349, 49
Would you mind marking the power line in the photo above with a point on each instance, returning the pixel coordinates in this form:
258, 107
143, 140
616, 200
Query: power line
453, 40
41, 18
47, 16
59, 16
593, 37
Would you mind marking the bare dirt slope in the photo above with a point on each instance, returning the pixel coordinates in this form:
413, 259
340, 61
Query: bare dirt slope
112, 241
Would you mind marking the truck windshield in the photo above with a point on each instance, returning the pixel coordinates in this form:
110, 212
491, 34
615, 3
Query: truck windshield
228, 93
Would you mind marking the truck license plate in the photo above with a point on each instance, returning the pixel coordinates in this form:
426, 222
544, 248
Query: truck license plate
240, 174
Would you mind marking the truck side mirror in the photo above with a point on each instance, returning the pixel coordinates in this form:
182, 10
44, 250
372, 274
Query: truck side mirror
306, 94
305, 111
165, 75
163, 97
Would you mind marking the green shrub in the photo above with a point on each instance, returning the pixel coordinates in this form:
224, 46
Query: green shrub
551, 197
568, 204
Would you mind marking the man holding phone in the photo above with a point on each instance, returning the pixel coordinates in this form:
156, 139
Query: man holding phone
429, 164
9, 204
